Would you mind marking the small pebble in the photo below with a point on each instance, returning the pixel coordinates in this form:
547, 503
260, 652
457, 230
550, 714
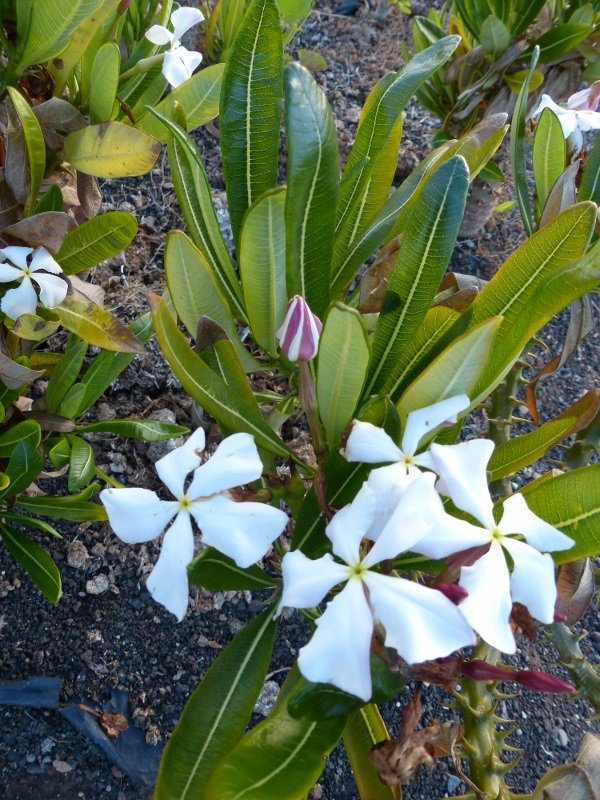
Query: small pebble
77, 556
454, 784
560, 737
97, 585
267, 698
61, 766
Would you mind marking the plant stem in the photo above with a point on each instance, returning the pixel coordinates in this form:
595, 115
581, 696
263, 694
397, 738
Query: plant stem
579, 668
483, 742
501, 417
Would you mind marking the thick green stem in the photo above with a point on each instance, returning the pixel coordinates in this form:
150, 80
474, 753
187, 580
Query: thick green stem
501, 419
483, 741
584, 675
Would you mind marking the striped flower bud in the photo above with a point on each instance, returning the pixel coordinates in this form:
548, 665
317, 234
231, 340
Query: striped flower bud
299, 333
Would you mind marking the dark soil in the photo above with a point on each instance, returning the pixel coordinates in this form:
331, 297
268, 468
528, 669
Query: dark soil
106, 632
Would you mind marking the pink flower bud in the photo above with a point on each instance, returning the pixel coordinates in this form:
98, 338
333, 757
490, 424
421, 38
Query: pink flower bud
542, 682
452, 591
482, 671
585, 100
299, 333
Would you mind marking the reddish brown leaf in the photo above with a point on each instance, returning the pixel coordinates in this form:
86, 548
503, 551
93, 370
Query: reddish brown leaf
575, 587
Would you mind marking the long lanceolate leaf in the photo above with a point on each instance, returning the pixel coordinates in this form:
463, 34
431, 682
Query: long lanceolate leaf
364, 729
542, 277
420, 265
250, 112
517, 148
207, 388
312, 188
372, 161
194, 195
570, 502
217, 713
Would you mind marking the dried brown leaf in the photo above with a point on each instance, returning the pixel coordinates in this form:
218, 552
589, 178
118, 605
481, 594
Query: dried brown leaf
575, 588
374, 283
47, 229
113, 724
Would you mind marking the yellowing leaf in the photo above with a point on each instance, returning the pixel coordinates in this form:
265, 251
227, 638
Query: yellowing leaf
111, 150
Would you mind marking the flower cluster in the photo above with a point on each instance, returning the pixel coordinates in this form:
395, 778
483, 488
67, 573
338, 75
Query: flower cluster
243, 531
399, 508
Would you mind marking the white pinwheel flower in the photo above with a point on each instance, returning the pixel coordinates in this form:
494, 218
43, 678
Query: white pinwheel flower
491, 585
179, 62
579, 116
29, 266
372, 445
419, 622
243, 531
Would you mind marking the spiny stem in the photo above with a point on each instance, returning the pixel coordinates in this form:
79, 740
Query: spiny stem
500, 420
585, 677
478, 700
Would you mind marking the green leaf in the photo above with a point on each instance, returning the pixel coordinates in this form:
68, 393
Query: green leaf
75, 508
51, 200
82, 463
570, 502
589, 188
28, 522
495, 36
560, 40
250, 110
26, 431
111, 150
35, 561
51, 25
73, 401
96, 240
341, 369
539, 279
204, 386
81, 43
549, 156
217, 714
195, 200
420, 264
196, 292
103, 93
515, 80
317, 701
280, 759
60, 453
147, 430
23, 468
197, 99
364, 729
34, 143
96, 326
525, 13
215, 571
518, 154
455, 371
511, 456
65, 374
262, 267
312, 188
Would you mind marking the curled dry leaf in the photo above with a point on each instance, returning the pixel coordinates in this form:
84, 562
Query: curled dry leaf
575, 588
579, 781
398, 761
47, 229
113, 724
374, 283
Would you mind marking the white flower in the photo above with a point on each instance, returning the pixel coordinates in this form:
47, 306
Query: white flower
419, 622
573, 119
243, 531
492, 587
372, 445
41, 268
179, 63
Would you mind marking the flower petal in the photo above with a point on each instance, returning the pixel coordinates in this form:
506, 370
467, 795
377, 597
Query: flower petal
532, 580
53, 289
307, 581
462, 470
18, 255
22, 300
370, 444
566, 117
388, 484
339, 651
588, 120
350, 525
137, 515
449, 535
234, 462
184, 18
243, 531
519, 518
179, 64
488, 606
411, 521
174, 468
168, 581
159, 35
43, 260
8, 273
420, 623
424, 421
